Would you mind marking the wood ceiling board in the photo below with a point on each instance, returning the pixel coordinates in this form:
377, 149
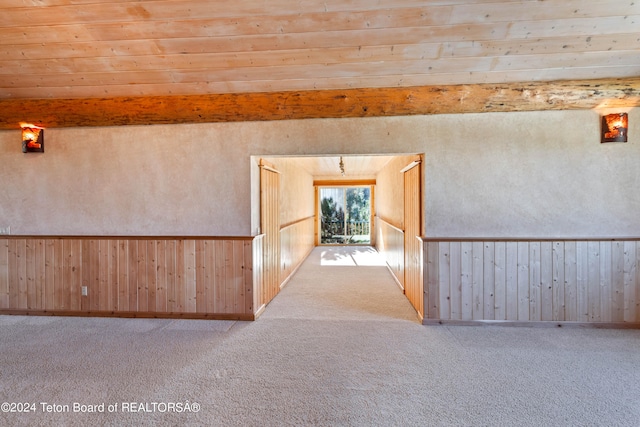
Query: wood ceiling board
85, 49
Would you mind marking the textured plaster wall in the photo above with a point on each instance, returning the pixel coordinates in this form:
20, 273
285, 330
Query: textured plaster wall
538, 174
296, 191
389, 196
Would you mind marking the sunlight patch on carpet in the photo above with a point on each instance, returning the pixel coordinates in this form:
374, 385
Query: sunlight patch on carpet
356, 256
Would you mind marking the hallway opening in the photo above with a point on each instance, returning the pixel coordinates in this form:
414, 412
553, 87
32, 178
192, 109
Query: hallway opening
305, 202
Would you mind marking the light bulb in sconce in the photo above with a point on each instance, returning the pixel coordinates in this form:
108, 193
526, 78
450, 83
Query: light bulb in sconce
32, 138
614, 128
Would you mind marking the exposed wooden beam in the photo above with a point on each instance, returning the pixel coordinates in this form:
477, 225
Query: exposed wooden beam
450, 99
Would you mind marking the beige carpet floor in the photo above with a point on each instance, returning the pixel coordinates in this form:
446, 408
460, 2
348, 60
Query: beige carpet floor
339, 346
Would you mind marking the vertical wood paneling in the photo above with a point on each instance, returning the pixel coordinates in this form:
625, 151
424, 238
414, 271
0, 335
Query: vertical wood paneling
390, 244
152, 279
258, 272
190, 275
630, 281
85, 275
143, 287
296, 242
582, 281
229, 279
477, 285
563, 280
523, 281
570, 281
180, 282
270, 224
606, 298
127, 275
589, 280
511, 281
30, 274
22, 274
413, 231
133, 275
593, 279
558, 281
219, 277
444, 282
63, 292
432, 276
455, 277
123, 278
636, 309
113, 275
4, 274
207, 270
535, 296
617, 282
546, 281
12, 249
500, 281
466, 273
58, 270
182, 276
49, 275
201, 295
247, 282
104, 289
161, 277
488, 281
171, 267
238, 277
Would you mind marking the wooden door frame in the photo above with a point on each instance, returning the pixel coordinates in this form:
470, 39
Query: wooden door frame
270, 212
413, 259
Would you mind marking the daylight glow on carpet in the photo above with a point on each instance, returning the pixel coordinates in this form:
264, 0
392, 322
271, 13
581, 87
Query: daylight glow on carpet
356, 256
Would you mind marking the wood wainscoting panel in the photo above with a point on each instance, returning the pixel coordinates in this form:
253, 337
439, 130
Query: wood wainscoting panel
588, 281
158, 277
390, 244
4, 274
296, 242
258, 275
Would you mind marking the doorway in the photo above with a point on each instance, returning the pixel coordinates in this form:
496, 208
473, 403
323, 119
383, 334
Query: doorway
377, 202
345, 215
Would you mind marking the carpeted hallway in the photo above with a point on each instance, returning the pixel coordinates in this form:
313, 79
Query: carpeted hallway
340, 345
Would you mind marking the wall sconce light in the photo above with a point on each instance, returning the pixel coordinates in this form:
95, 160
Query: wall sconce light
32, 139
614, 128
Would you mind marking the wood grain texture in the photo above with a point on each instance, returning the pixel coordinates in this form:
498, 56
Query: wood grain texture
444, 99
270, 225
296, 242
390, 244
413, 279
174, 277
593, 281
84, 49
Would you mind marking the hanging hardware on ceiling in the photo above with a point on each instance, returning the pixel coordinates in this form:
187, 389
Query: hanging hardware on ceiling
341, 166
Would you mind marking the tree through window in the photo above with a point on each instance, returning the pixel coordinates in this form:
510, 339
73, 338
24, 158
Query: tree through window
345, 215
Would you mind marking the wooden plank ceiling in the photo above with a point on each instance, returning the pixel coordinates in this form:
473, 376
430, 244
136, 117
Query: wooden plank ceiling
82, 55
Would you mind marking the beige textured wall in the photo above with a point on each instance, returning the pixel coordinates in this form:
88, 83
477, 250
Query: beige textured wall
538, 174
390, 191
296, 191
